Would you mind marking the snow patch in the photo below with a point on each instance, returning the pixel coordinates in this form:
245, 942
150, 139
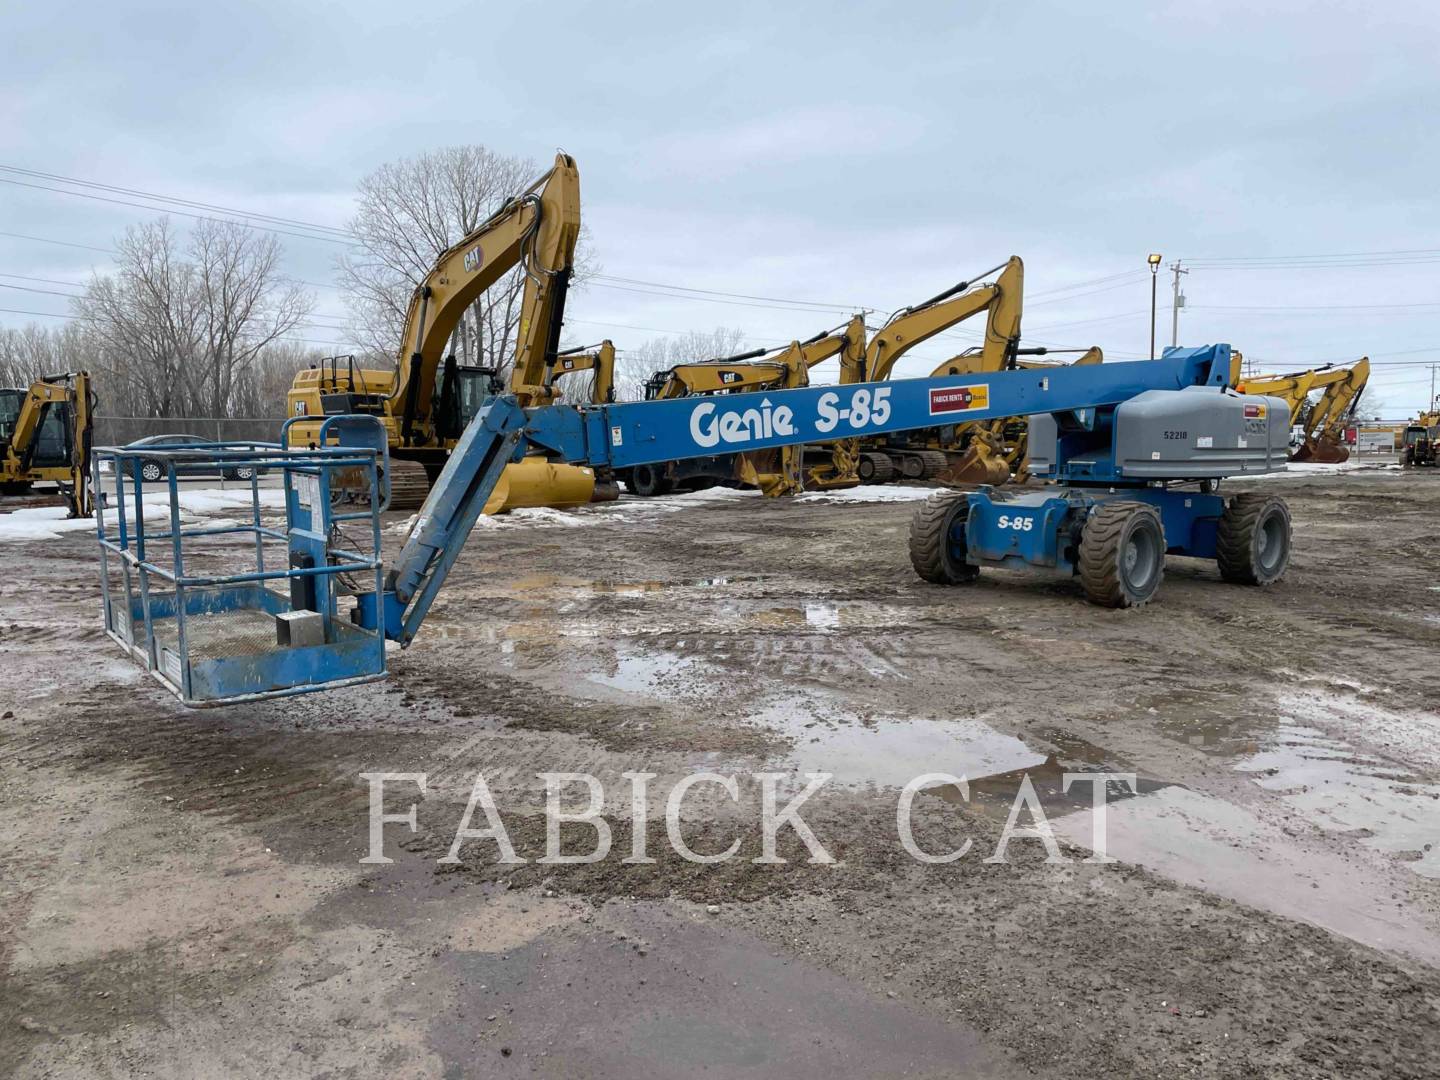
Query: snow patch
871, 493
50, 522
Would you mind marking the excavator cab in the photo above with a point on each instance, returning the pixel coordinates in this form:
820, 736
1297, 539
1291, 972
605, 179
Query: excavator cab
53, 442
10, 399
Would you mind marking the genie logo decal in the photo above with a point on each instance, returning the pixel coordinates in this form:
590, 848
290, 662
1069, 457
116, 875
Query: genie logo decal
955, 399
740, 427
473, 258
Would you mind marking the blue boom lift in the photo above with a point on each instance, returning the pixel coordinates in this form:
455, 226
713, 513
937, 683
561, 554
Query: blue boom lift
1136, 451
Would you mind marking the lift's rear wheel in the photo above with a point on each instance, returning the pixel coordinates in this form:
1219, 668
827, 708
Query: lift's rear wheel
937, 539
650, 481
1253, 545
1122, 554
875, 469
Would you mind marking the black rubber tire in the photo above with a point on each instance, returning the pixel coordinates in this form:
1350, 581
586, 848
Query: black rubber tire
1122, 554
650, 481
151, 472
931, 539
935, 463
875, 469
1253, 544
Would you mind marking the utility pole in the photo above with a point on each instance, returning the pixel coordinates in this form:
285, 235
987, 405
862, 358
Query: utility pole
1154, 260
1176, 303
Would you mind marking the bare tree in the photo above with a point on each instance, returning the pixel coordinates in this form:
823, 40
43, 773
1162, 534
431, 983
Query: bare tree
634, 366
31, 351
412, 210
180, 330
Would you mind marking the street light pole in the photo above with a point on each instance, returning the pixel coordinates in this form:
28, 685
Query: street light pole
1154, 261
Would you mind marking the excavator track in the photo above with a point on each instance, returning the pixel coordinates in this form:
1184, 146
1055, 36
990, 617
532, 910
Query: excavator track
409, 484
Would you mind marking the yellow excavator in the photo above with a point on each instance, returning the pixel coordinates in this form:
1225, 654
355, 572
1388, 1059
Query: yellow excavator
428, 399
792, 469
46, 433
597, 359
1319, 427
913, 457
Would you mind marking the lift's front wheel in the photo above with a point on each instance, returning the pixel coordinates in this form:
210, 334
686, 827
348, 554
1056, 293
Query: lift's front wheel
937, 540
1253, 545
1122, 554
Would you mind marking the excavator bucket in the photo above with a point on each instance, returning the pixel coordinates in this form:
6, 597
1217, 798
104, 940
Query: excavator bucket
1328, 450
977, 465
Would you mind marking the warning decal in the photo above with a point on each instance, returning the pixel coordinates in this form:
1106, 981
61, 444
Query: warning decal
1255, 412
953, 399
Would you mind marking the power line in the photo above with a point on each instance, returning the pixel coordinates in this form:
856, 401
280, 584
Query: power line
46, 280
31, 288
173, 199
1330, 255
182, 213
62, 243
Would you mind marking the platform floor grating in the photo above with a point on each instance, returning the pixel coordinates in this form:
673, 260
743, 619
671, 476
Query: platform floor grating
243, 632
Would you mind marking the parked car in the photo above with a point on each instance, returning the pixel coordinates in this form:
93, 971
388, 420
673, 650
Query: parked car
153, 469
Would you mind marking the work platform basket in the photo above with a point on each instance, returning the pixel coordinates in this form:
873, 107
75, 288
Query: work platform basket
244, 591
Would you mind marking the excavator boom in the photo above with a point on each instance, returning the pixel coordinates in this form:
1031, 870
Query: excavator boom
1003, 299
1323, 427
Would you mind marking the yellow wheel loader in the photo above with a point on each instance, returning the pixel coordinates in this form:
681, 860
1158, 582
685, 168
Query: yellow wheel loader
46, 432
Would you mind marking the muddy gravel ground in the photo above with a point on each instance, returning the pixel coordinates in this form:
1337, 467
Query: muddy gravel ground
182, 892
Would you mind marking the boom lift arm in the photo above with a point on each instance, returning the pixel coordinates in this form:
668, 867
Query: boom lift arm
1083, 399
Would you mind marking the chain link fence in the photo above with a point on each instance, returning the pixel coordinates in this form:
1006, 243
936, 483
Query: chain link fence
120, 430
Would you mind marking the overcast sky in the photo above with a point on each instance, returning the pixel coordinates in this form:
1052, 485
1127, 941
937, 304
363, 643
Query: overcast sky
850, 154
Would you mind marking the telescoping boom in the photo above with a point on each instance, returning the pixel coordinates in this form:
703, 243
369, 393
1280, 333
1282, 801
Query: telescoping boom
1084, 401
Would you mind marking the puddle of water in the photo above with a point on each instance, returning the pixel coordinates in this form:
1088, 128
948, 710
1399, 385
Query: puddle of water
1214, 845
1340, 789
826, 617
647, 674
822, 616
890, 751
